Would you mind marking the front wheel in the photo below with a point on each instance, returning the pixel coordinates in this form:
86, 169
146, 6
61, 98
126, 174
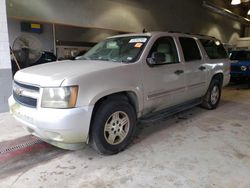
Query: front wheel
212, 98
113, 126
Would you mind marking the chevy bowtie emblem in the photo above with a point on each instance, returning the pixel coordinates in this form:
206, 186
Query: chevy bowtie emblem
243, 68
18, 91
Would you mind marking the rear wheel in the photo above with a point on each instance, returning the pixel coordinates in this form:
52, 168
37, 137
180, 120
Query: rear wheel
113, 126
212, 98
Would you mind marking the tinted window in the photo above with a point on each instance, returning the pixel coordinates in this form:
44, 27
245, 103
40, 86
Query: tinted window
166, 46
240, 55
190, 49
214, 49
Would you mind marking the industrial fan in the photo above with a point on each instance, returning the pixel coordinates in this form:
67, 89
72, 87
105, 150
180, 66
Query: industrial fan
27, 49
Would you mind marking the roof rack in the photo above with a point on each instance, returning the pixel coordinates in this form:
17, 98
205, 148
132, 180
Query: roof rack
198, 34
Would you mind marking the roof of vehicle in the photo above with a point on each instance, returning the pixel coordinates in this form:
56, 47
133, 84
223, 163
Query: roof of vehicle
171, 33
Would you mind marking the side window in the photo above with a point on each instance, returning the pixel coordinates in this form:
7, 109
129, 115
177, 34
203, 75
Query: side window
190, 49
166, 45
214, 49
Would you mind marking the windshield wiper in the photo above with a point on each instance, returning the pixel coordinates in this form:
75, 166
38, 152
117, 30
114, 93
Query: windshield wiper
100, 59
106, 59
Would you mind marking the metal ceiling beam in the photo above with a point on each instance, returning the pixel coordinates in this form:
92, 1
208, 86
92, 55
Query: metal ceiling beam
226, 12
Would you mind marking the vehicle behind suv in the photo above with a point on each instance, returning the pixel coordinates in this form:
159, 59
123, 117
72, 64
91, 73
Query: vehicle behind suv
240, 69
46, 57
100, 97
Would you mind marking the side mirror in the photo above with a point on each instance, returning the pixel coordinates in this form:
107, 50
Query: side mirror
157, 58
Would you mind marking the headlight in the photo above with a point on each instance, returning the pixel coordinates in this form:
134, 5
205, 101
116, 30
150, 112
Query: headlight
61, 97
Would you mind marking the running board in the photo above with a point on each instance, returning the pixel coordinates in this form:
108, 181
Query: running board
156, 116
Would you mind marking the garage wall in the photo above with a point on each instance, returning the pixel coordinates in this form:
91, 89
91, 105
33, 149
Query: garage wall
5, 66
77, 34
247, 32
46, 37
63, 33
129, 15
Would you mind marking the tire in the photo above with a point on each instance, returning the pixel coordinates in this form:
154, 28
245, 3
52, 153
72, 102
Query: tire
113, 126
212, 98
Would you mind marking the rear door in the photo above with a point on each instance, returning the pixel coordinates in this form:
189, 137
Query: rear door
195, 69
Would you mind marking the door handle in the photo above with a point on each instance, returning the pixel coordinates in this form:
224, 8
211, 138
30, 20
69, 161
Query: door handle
202, 68
178, 72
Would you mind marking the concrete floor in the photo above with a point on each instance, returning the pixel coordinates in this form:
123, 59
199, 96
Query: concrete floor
196, 148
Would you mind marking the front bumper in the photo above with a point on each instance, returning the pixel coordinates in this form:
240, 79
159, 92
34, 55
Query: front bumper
240, 76
64, 128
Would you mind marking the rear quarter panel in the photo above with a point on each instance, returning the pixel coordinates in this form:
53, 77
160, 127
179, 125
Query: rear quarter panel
219, 66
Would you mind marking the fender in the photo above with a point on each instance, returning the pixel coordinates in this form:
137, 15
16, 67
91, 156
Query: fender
136, 91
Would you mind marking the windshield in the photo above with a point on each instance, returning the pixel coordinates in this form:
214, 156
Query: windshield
240, 55
121, 49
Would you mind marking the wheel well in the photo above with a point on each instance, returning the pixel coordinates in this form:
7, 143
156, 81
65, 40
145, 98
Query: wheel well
219, 77
126, 95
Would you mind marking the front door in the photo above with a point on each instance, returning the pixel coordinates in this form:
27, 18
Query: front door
164, 84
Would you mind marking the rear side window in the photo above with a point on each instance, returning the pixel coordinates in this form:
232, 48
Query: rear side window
190, 49
214, 49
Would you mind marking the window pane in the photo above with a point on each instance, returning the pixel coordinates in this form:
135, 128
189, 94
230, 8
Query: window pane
214, 49
240, 55
119, 49
190, 49
166, 46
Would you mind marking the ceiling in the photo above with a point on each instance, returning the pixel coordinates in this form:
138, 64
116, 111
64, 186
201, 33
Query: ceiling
240, 9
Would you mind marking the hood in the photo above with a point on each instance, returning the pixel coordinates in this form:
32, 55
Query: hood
53, 74
241, 63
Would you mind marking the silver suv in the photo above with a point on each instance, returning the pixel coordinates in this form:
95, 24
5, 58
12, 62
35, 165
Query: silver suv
99, 98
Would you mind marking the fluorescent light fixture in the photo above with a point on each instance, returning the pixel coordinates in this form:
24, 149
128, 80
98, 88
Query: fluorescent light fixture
217, 43
235, 2
248, 13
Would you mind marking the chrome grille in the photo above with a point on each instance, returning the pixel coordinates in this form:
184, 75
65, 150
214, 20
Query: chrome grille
26, 95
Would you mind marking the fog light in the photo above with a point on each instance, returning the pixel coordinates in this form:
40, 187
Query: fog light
54, 136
